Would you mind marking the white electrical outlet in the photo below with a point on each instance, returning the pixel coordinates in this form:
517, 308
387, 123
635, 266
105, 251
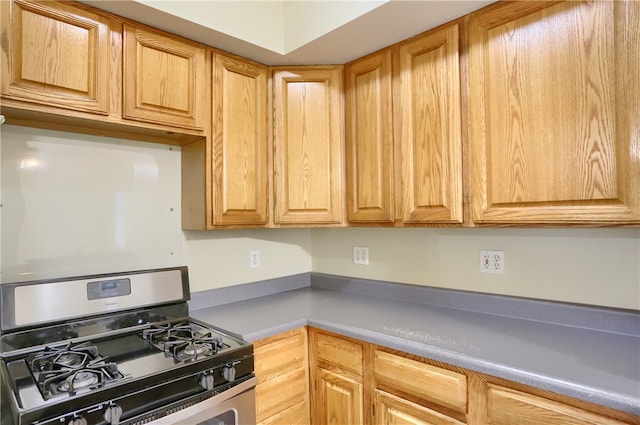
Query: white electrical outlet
361, 255
492, 262
254, 258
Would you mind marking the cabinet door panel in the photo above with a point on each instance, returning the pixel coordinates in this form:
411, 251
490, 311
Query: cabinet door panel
340, 399
294, 415
431, 383
428, 127
308, 146
274, 396
392, 410
554, 112
164, 79
55, 54
240, 189
369, 139
510, 407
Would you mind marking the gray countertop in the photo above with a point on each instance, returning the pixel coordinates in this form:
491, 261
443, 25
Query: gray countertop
592, 365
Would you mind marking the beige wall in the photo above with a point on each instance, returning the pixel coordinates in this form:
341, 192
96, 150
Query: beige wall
221, 258
587, 266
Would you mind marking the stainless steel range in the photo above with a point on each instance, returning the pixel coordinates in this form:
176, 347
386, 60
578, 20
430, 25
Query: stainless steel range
118, 349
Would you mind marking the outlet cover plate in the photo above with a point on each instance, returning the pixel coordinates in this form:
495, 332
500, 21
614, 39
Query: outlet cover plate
492, 261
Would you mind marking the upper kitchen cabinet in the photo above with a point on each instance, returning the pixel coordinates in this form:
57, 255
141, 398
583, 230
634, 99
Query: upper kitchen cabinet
308, 146
427, 123
240, 142
555, 113
164, 79
369, 139
55, 54
226, 177
404, 145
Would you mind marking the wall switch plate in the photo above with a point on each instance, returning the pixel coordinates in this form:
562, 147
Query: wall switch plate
492, 262
361, 255
254, 259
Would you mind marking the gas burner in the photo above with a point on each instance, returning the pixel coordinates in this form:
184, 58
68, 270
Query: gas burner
70, 368
194, 350
69, 356
183, 341
80, 379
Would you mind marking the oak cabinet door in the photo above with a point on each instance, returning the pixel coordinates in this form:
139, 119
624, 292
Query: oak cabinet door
339, 399
282, 372
506, 406
308, 145
393, 410
428, 383
55, 54
555, 112
337, 379
369, 139
164, 79
240, 142
427, 123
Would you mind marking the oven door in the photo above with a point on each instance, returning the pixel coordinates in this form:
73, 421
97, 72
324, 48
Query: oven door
235, 406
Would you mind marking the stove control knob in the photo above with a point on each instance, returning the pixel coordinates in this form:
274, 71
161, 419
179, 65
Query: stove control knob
78, 421
206, 382
112, 414
229, 373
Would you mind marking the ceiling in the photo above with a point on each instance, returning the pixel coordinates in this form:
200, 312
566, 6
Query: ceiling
288, 32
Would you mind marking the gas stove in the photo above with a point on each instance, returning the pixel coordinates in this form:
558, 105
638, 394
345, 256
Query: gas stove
121, 361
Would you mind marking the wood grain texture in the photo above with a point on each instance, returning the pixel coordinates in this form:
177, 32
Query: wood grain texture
54, 53
339, 354
337, 379
282, 372
240, 142
164, 78
434, 384
506, 406
297, 414
340, 398
308, 145
551, 89
428, 127
393, 410
369, 139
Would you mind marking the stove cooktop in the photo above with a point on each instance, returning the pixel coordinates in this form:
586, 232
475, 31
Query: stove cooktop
69, 370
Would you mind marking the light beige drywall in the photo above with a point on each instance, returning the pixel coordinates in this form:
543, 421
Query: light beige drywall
221, 258
586, 266
78, 204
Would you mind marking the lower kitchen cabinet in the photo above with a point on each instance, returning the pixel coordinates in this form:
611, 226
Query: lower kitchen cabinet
282, 372
352, 382
337, 379
429, 391
507, 406
337, 399
391, 409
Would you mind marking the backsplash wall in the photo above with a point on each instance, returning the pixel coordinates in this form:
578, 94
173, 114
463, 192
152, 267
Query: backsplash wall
586, 266
77, 204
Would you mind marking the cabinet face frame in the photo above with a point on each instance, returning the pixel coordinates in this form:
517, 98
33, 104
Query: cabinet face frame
427, 128
308, 145
594, 180
369, 139
179, 97
239, 143
73, 73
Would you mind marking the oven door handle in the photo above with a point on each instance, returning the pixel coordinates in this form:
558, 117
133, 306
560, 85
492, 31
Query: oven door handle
244, 405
